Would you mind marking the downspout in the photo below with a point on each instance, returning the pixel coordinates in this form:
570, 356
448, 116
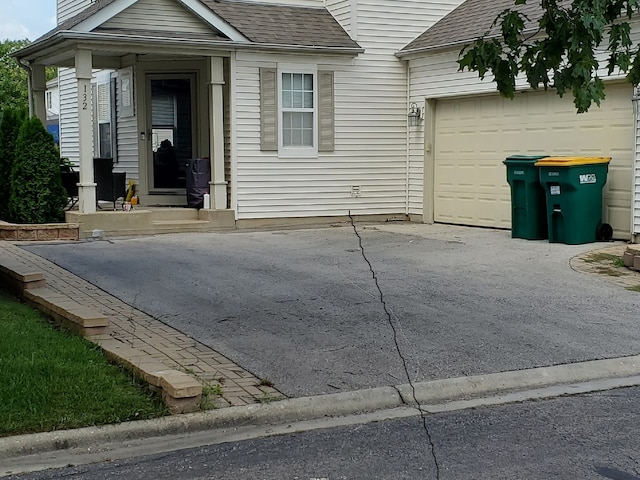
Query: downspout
24, 64
635, 235
408, 142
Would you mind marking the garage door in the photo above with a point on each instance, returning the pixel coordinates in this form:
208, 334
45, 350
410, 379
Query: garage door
474, 134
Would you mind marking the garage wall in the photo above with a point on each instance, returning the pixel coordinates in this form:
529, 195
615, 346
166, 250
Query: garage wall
435, 76
474, 134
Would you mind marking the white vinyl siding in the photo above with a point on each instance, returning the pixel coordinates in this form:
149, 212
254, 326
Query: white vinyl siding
67, 88
370, 122
157, 15
341, 11
68, 8
68, 115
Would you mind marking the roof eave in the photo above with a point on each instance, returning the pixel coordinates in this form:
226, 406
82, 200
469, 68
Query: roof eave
446, 46
199, 44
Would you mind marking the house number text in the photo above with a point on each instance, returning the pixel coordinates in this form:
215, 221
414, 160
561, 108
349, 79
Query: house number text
84, 98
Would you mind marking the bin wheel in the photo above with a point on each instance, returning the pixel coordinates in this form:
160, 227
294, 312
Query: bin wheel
604, 232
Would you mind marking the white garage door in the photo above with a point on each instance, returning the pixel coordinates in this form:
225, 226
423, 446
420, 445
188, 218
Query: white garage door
475, 134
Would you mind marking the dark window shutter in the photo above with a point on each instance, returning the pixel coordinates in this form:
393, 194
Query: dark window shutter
268, 110
326, 112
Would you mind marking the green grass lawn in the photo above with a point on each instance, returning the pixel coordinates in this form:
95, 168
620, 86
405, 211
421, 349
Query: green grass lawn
51, 380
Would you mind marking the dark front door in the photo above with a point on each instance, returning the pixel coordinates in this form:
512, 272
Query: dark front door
172, 130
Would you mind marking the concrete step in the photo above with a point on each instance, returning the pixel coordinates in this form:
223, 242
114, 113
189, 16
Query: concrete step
167, 214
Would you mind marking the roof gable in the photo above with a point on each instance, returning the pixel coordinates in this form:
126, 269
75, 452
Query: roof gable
159, 16
240, 21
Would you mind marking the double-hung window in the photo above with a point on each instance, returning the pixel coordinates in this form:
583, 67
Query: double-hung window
297, 110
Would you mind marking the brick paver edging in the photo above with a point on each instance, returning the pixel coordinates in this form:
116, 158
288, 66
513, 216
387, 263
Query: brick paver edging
39, 232
188, 374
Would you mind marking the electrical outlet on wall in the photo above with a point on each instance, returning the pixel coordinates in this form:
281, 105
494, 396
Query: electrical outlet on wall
355, 190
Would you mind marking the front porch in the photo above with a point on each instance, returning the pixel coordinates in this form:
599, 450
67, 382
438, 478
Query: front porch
150, 221
126, 99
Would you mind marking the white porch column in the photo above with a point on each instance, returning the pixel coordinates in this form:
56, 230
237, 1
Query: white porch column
87, 186
218, 185
39, 86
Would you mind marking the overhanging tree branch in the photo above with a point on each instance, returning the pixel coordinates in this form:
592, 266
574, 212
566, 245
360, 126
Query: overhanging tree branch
561, 52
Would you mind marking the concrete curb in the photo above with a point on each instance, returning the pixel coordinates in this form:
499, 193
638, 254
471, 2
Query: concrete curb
338, 404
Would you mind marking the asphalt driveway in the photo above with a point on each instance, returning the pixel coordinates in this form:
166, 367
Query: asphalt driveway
299, 307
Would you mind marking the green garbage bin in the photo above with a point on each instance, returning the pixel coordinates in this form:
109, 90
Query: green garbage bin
528, 199
573, 187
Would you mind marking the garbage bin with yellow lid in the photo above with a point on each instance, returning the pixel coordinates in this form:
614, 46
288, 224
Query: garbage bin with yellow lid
573, 187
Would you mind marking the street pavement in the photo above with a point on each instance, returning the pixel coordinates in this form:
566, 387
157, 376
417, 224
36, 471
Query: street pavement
590, 437
299, 308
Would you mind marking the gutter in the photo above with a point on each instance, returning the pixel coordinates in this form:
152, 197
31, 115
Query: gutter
25, 64
445, 46
203, 44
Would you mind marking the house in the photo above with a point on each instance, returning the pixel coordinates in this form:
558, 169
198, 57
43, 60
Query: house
310, 109
468, 126
52, 105
301, 106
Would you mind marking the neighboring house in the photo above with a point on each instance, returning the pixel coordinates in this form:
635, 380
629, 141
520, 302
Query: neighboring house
470, 128
302, 108
52, 104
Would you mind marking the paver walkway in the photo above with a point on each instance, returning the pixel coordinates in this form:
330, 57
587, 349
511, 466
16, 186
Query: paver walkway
152, 337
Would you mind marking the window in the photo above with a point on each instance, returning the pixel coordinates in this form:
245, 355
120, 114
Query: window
298, 110
104, 116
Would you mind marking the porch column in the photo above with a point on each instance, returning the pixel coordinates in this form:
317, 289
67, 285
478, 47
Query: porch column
87, 186
38, 87
217, 185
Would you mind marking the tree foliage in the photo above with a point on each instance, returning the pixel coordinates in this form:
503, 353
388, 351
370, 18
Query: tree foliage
9, 129
561, 51
37, 194
14, 85
13, 78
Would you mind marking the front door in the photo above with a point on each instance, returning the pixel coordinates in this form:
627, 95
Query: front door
172, 129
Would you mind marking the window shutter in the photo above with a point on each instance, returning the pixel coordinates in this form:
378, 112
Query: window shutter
104, 102
326, 110
268, 110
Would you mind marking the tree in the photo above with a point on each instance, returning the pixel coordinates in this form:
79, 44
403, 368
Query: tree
13, 78
37, 194
14, 85
9, 129
561, 51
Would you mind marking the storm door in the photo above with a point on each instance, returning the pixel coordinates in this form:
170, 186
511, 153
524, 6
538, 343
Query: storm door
172, 130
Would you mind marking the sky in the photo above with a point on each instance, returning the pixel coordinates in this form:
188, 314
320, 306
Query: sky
20, 19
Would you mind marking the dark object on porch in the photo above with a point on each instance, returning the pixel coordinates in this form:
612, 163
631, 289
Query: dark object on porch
70, 180
110, 185
165, 168
198, 173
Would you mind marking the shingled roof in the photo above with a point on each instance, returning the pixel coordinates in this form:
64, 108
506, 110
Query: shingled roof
469, 21
281, 24
266, 24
